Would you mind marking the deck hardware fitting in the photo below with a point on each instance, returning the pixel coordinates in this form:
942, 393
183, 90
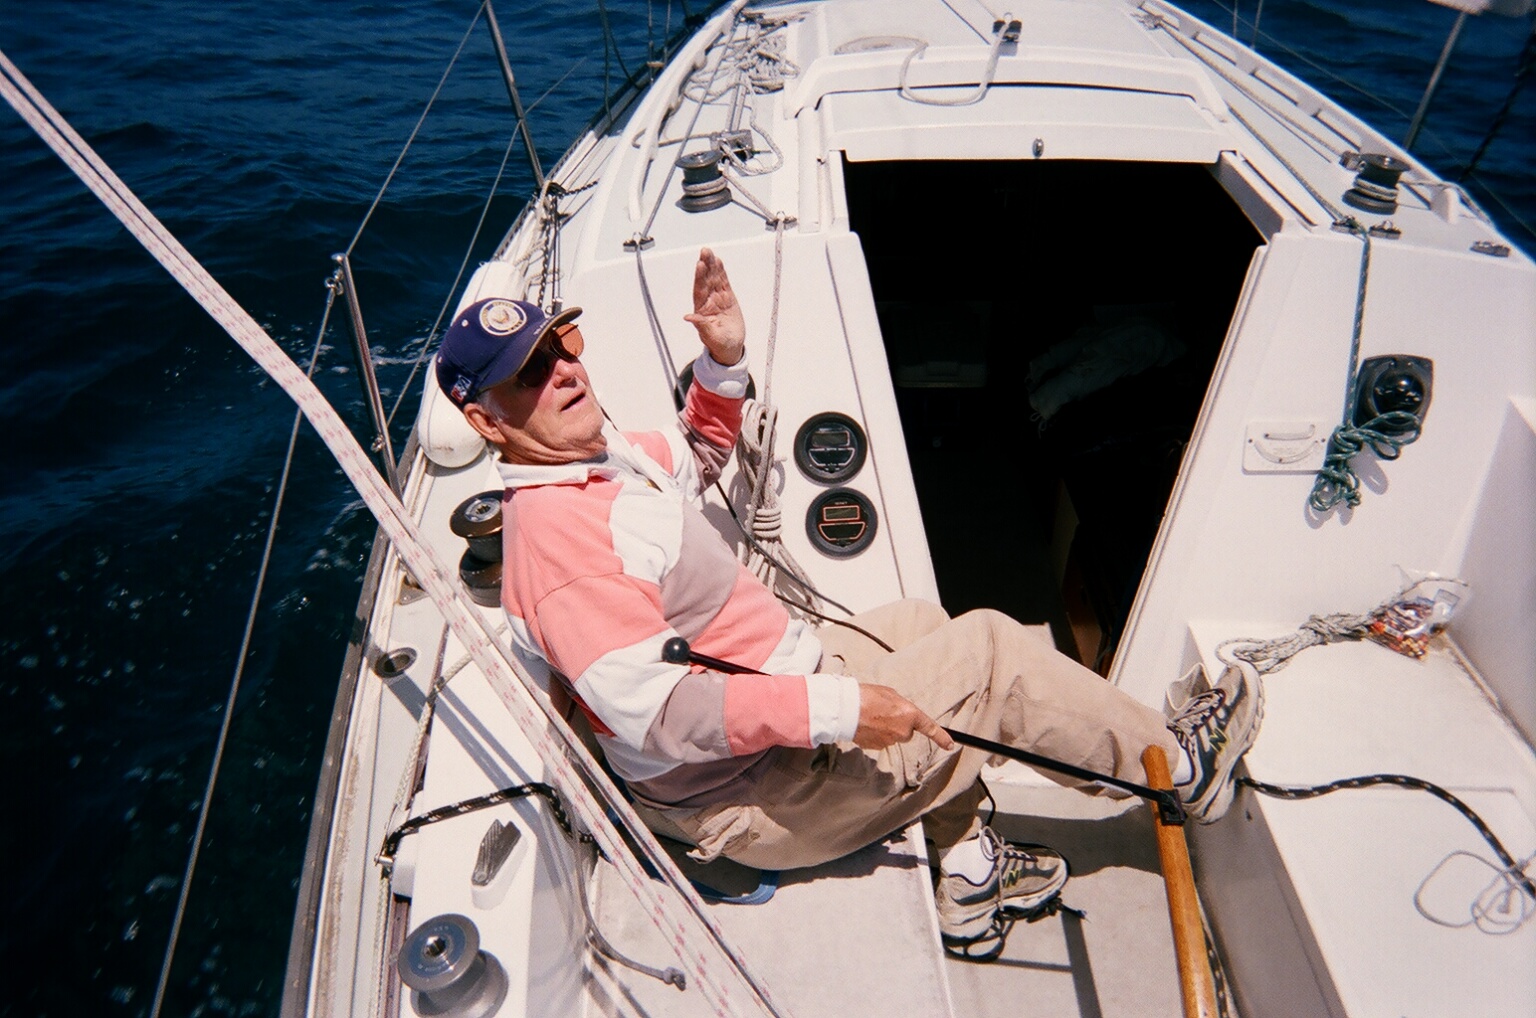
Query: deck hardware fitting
477, 520
1038, 148
735, 144
495, 849
481, 579
410, 590
343, 279
639, 243
1488, 247
704, 186
1386, 229
1375, 186
448, 974
395, 663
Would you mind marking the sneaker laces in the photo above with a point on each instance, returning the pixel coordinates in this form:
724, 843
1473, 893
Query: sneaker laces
1014, 864
1200, 716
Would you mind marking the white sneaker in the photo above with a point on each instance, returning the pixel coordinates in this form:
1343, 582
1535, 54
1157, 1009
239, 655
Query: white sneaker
1216, 728
1023, 879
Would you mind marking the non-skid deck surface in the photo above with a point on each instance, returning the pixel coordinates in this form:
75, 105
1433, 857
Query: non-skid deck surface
1118, 961
855, 937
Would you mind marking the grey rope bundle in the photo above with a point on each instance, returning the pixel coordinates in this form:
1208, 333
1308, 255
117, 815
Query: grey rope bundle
1271, 655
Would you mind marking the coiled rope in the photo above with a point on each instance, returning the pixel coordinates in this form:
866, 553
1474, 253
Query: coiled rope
571, 769
1271, 655
1385, 434
766, 554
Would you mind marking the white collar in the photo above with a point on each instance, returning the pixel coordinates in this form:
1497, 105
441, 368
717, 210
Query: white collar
619, 458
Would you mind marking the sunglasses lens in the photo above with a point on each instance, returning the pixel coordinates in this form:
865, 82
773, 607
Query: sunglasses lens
536, 372
565, 344
568, 341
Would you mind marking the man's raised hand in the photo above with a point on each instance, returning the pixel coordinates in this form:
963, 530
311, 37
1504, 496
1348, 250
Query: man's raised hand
716, 312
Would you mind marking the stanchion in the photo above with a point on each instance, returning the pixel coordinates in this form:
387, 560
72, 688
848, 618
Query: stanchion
1195, 982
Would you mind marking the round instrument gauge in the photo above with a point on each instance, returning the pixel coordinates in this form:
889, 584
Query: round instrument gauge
841, 522
830, 447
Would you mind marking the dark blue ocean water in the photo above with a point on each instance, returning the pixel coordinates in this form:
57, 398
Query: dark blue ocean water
144, 448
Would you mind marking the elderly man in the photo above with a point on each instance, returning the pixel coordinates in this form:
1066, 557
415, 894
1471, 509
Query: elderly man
607, 557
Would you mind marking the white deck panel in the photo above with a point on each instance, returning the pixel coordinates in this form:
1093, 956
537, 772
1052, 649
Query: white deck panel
532, 925
1350, 864
1070, 123
857, 936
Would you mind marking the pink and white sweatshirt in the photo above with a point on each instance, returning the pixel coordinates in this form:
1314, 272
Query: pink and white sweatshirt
606, 559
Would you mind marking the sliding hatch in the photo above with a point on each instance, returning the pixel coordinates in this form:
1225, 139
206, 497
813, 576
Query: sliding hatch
1051, 329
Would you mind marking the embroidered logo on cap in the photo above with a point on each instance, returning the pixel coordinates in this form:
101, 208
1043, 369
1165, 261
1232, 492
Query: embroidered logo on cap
501, 317
461, 388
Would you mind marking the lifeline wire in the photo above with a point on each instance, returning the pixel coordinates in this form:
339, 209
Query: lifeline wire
454, 288
234, 685
419, 121
570, 766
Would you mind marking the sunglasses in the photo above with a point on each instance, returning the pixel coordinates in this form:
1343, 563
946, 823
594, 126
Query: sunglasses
565, 343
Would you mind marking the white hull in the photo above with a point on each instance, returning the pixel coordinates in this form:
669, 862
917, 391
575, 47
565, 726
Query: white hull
1165, 171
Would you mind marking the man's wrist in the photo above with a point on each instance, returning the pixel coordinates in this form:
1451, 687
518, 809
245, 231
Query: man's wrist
728, 380
834, 707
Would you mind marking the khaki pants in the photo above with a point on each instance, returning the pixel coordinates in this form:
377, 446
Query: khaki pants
981, 673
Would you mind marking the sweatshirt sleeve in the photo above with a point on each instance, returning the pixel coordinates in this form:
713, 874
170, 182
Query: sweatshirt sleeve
606, 633
711, 417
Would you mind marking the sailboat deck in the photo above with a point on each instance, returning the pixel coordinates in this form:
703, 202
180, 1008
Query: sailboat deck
859, 935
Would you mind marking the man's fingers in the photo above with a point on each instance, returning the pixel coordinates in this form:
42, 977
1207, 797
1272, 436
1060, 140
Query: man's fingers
708, 277
934, 731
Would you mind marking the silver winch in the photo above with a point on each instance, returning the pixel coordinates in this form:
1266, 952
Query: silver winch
478, 521
448, 974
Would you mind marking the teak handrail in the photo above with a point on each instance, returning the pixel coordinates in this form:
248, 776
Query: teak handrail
1195, 982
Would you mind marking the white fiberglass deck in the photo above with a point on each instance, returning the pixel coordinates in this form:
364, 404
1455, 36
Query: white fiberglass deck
1371, 892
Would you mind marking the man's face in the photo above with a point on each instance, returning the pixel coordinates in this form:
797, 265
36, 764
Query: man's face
556, 420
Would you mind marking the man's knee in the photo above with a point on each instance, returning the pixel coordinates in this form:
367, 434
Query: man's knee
926, 616
999, 629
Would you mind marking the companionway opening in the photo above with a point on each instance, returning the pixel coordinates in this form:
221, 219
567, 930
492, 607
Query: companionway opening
1051, 329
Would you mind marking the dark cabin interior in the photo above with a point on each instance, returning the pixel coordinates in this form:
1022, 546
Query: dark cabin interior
1051, 327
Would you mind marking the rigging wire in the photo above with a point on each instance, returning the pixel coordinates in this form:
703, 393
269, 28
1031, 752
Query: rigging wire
234, 685
1523, 68
427, 342
570, 767
415, 130
453, 289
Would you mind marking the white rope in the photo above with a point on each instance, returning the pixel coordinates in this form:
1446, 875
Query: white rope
766, 554
995, 50
556, 744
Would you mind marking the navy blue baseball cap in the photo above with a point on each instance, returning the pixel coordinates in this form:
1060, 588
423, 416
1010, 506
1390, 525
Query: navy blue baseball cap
489, 342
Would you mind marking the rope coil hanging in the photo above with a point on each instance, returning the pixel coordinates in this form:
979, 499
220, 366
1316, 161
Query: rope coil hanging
766, 554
